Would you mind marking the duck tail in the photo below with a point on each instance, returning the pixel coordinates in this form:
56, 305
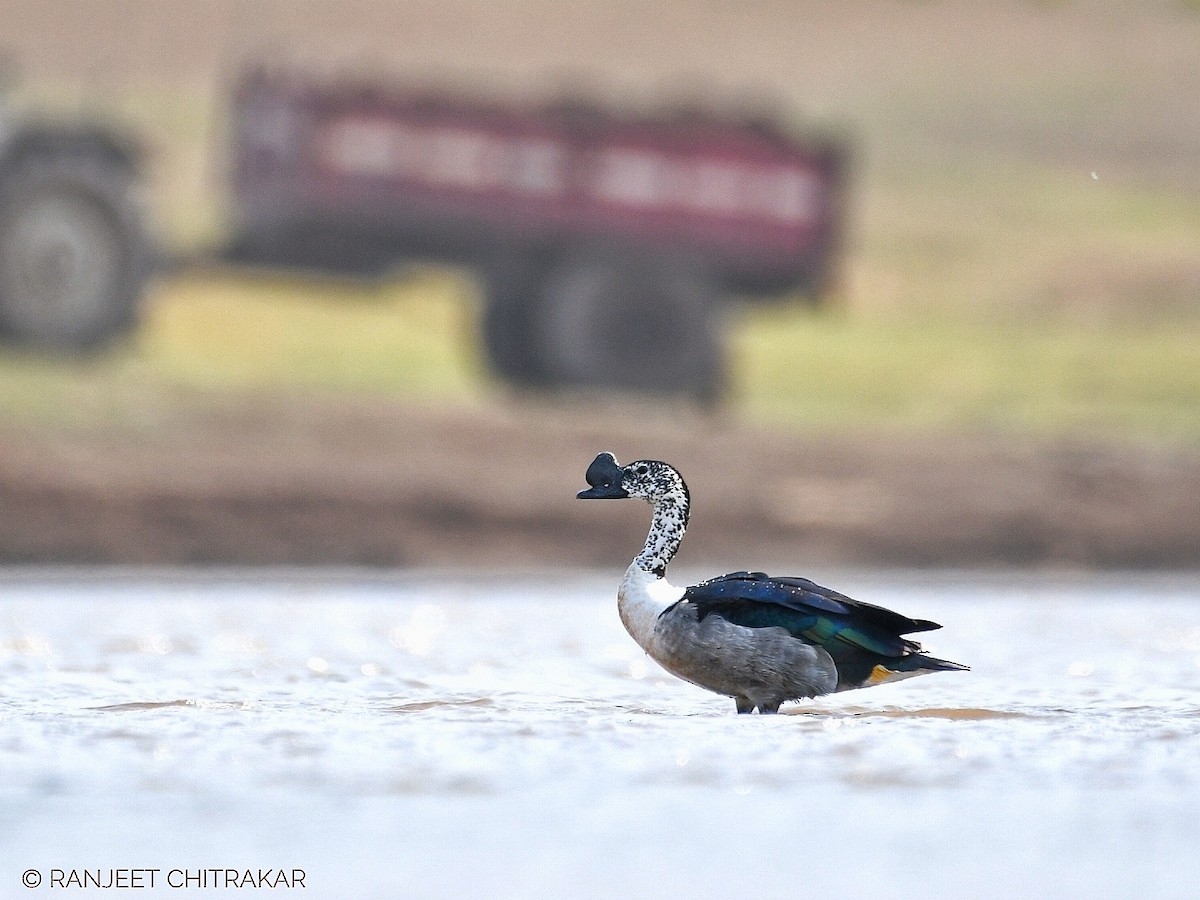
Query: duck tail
908, 666
873, 669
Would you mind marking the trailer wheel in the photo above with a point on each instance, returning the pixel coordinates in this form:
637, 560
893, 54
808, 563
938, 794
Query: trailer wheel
509, 329
636, 322
72, 251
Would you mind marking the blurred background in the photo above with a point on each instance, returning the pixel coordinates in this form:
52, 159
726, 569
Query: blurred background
982, 348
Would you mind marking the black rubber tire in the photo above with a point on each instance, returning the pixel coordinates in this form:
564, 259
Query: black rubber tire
508, 330
635, 322
74, 254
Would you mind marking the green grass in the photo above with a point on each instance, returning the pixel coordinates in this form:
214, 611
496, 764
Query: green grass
1002, 240
824, 371
208, 337
211, 338
231, 333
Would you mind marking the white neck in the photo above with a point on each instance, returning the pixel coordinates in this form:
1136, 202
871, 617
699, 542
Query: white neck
640, 599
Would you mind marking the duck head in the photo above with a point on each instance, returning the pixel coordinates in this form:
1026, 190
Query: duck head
646, 479
658, 484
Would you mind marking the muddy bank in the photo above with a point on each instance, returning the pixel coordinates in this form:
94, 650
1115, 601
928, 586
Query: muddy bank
308, 482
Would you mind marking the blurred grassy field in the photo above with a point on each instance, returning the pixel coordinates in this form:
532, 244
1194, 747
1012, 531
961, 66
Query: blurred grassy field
826, 371
213, 337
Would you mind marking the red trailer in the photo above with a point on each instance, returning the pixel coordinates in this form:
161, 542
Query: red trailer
606, 242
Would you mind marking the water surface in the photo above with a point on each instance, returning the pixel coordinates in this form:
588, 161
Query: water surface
449, 735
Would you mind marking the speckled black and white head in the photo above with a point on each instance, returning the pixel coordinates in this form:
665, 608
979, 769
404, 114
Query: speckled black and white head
660, 485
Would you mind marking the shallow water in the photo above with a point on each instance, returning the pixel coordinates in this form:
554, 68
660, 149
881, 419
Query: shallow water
442, 735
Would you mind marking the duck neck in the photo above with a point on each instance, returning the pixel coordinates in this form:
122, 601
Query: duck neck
666, 532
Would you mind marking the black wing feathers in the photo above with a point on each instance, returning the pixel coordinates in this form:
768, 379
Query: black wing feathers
809, 611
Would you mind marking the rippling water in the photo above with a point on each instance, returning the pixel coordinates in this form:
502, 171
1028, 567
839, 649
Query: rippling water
455, 736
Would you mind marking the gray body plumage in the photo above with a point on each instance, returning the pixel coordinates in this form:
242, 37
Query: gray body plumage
758, 667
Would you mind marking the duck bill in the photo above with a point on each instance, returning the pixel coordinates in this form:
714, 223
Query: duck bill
603, 492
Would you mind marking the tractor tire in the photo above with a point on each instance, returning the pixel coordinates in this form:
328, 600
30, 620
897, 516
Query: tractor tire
509, 333
73, 252
633, 322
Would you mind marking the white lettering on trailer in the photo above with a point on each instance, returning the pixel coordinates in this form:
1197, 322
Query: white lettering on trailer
460, 158
472, 159
446, 157
630, 177
649, 179
717, 187
362, 146
537, 166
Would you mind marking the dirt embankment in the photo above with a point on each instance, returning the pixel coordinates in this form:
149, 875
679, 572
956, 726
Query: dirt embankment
315, 483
